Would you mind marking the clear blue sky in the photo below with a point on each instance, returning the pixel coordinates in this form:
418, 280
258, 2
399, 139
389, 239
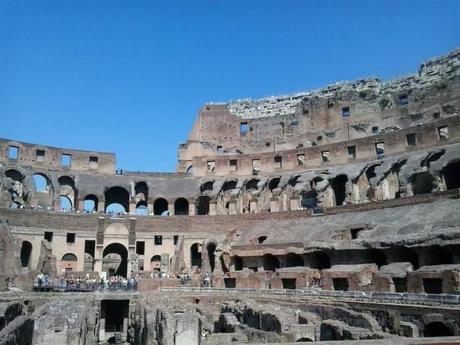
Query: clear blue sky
129, 76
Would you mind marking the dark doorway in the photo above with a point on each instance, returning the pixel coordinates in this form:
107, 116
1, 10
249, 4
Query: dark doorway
230, 283
26, 251
195, 255
400, 284
319, 260
202, 205
432, 285
340, 284
270, 262
289, 283
293, 260
160, 206
114, 312
452, 175
338, 185
181, 207
212, 260
422, 183
437, 329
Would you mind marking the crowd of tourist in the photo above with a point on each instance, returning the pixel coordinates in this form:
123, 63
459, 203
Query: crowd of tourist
69, 283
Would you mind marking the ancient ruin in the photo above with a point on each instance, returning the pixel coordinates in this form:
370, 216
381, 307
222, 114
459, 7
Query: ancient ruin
324, 215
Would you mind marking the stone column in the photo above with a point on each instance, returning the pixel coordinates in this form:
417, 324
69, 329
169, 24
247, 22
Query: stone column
191, 208
231, 207
274, 205
212, 208
171, 208
98, 258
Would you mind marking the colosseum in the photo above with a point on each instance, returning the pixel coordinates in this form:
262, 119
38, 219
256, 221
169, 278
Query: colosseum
324, 215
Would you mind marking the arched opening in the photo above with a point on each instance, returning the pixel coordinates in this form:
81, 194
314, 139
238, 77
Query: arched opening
309, 199
26, 253
436, 255
203, 205
229, 185
251, 185
211, 248
90, 203
338, 184
293, 260
41, 183
274, 183
209, 185
69, 262
270, 262
237, 263
304, 340
294, 180
422, 183
319, 260
195, 255
189, 169
66, 203
377, 257
141, 191
116, 199
14, 175
181, 207
451, 175
160, 207
142, 209
155, 263
115, 260
405, 254
261, 239
437, 329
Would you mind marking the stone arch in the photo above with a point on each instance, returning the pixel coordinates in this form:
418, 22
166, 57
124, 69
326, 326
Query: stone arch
67, 193
207, 186
270, 262
202, 205
15, 175
181, 207
422, 183
319, 260
69, 257
41, 182
273, 183
195, 255
451, 173
90, 203
65, 203
160, 207
116, 199
26, 254
229, 185
117, 269
142, 208
251, 185
141, 192
338, 185
437, 329
293, 260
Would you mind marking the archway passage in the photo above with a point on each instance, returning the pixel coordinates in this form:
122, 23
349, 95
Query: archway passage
229, 185
195, 255
119, 249
211, 248
237, 263
14, 175
160, 206
293, 260
41, 183
181, 207
377, 257
437, 329
319, 260
142, 209
452, 175
309, 199
26, 253
338, 184
422, 183
117, 195
270, 262
405, 254
90, 203
65, 202
202, 205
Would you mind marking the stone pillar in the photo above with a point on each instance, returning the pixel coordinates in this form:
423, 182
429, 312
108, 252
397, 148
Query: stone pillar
98, 258
253, 206
101, 206
191, 208
171, 208
212, 208
132, 208
294, 204
150, 208
80, 205
131, 257
231, 207
274, 205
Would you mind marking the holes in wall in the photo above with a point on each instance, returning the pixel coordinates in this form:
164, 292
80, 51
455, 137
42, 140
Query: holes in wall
244, 128
380, 149
340, 284
93, 162
48, 236
158, 240
160, 207
451, 175
301, 159
261, 239
403, 100
255, 166
202, 205
140, 247
209, 185
70, 238
181, 207
233, 165
346, 112
175, 239
278, 162
211, 166
274, 182
41, 183
325, 156
40, 156
351, 152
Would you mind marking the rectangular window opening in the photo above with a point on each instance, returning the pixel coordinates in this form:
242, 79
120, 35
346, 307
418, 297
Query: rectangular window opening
403, 100
301, 160
325, 156
90, 247
48, 236
158, 240
13, 152
351, 150
233, 165
278, 162
66, 160
255, 166
140, 248
40, 155
211, 166
443, 133
176, 239
346, 112
411, 139
244, 128
380, 149
340, 284
220, 149
70, 237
